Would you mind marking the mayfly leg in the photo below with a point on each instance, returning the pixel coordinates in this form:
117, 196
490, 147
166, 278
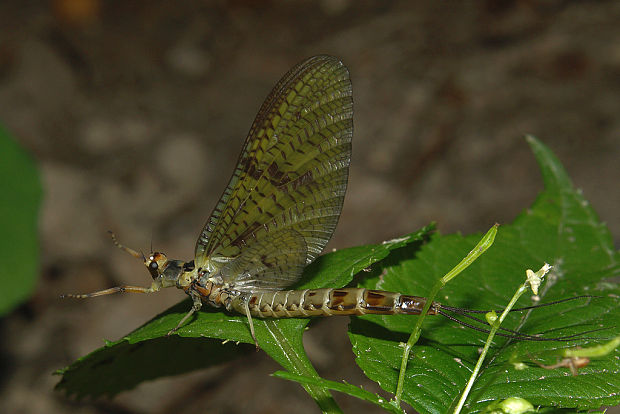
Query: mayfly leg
110, 291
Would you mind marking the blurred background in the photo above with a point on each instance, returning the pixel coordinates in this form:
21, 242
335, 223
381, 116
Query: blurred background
136, 112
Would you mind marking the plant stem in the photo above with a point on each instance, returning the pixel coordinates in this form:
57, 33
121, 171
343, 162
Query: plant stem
494, 327
481, 247
495, 324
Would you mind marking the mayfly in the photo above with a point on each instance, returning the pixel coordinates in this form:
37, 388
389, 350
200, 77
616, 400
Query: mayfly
279, 210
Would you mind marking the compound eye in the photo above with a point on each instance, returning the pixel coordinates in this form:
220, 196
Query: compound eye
153, 270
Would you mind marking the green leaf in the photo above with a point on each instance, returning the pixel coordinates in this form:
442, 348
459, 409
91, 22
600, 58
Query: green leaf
123, 365
281, 339
560, 228
20, 196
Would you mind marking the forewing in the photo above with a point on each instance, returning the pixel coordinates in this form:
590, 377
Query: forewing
271, 263
293, 169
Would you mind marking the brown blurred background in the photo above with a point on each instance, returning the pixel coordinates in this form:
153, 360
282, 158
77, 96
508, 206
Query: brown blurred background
136, 112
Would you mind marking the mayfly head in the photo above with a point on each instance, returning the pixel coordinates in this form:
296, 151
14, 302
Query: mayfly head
156, 263
165, 273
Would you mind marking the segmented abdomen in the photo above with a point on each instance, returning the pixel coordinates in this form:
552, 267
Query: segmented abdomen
328, 302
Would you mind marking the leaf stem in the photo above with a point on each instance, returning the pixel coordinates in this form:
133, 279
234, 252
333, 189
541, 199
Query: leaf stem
298, 363
482, 246
342, 387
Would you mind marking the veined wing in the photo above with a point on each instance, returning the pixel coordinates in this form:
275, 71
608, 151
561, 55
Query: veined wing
276, 260
293, 169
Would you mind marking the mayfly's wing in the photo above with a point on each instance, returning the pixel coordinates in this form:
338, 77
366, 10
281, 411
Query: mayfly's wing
276, 260
292, 172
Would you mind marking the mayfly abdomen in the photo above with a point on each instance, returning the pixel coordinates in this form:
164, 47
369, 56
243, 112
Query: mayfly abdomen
331, 302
